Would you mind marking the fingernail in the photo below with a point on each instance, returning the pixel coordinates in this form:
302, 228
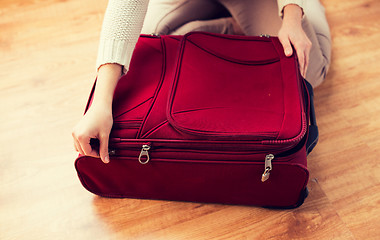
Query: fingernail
106, 159
288, 52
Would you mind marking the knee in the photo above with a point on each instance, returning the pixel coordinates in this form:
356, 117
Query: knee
162, 29
316, 75
189, 27
319, 62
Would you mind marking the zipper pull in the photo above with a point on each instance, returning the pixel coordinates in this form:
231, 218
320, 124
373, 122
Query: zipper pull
111, 152
265, 35
144, 153
268, 167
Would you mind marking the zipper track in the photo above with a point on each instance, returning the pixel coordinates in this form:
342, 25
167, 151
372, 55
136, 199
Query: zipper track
168, 155
237, 61
291, 140
233, 148
128, 124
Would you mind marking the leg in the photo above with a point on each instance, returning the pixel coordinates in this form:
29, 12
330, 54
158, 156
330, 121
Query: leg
187, 11
220, 25
318, 31
156, 10
257, 17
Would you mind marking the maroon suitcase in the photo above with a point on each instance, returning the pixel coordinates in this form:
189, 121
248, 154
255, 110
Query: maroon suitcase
208, 118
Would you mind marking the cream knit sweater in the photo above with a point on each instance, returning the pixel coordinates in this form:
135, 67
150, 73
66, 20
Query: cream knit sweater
122, 24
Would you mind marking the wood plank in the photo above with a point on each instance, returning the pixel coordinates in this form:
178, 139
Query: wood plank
48, 50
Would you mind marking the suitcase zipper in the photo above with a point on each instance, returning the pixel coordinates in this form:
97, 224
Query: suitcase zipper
127, 124
144, 154
144, 159
268, 167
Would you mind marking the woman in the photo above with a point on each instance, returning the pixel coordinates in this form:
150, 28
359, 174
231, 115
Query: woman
296, 22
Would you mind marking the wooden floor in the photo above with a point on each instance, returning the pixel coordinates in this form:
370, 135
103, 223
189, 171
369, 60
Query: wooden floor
47, 53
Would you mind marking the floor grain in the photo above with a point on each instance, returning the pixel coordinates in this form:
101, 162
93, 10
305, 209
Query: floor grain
48, 51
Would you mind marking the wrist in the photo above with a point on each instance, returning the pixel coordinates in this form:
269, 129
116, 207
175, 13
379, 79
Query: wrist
103, 98
292, 13
102, 105
108, 76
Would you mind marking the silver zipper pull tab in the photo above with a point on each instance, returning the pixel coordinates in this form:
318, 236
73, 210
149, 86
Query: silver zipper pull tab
144, 154
265, 35
268, 167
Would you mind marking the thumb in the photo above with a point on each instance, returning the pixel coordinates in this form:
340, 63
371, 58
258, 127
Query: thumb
288, 50
103, 149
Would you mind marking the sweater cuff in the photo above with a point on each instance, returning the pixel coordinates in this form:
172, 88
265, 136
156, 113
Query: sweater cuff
115, 51
283, 3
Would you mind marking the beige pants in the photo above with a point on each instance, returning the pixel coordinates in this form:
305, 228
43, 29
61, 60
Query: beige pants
248, 17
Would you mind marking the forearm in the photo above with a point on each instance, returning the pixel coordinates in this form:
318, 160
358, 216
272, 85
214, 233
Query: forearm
108, 76
292, 13
283, 3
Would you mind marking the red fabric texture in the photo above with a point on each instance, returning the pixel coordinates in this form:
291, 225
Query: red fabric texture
211, 107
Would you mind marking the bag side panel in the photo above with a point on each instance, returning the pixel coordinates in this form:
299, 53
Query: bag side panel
156, 117
135, 91
196, 181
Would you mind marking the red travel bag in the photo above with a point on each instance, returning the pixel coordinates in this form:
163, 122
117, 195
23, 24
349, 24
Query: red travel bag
208, 118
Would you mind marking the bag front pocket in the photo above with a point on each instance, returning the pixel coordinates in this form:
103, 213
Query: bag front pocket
223, 97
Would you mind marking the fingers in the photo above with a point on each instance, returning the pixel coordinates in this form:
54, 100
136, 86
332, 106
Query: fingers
92, 132
78, 148
302, 49
82, 145
301, 54
85, 145
288, 50
103, 150
301, 61
303, 58
307, 59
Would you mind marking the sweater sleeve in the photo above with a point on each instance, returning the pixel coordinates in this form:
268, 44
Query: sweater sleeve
282, 3
122, 24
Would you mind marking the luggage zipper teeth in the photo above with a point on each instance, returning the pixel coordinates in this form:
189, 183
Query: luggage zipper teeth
143, 147
268, 167
144, 159
295, 139
131, 124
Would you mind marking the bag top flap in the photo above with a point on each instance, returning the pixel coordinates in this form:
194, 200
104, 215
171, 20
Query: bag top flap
236, 87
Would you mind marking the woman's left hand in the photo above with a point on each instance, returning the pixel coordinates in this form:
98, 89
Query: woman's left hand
292, 33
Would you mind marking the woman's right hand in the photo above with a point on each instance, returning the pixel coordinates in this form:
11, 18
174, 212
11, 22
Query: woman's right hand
97, 122
292, 33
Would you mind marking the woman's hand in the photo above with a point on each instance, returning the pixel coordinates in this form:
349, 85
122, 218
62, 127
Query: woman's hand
97, 122
291, 32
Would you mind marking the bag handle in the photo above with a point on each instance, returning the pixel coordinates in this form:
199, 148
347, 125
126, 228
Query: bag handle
313, 134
